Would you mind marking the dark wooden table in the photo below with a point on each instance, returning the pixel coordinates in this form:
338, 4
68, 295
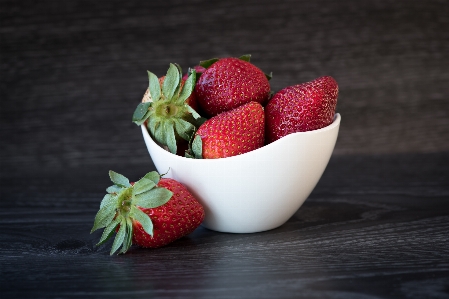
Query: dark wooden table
376, 225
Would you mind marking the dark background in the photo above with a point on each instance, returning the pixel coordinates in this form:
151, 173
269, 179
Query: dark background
72, 73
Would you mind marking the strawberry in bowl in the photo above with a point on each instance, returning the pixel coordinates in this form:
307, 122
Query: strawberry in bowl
303, 107
230, 133
246, 181
230, 82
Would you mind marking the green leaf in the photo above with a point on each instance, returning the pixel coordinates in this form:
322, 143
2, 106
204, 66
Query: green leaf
246, 57
171, 81
269, 76
193, 112
141, 113
109, 230
154, 86
104, 216
144, 118
197, 147
208, 63
114, 189
170, 138
199, 121
154, 176
178, 86
108, 199
152, 125
143, 185
127, 240
154, 198
159, 133
184, 128
165, 135
118, 241
187, 90
119, 179
143, 218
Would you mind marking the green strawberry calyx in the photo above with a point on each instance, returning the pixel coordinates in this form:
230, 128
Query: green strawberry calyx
120, 208
247, 57
195, 150
168, 116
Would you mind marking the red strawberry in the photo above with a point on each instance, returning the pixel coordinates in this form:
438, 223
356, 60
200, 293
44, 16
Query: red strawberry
152, 212
303, 107
230, 82
230, 133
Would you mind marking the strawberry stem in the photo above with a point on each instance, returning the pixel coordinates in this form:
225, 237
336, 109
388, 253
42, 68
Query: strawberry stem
169, 118
121, 208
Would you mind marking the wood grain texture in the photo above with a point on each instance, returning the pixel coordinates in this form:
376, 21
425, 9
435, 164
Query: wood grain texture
72, 73
360, 235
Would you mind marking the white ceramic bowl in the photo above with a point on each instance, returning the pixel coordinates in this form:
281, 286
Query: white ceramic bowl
255, 191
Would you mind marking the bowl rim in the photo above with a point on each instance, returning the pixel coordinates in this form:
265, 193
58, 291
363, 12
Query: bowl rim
335, 123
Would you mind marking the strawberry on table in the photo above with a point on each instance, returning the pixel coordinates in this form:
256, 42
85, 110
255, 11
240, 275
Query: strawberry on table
230, 133
230, 82
151, 212
166, 110
303, 107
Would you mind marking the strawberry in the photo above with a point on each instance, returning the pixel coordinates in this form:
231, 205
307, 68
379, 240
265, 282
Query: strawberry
168, 116
152, 212
230, 133
303, 107
230, 82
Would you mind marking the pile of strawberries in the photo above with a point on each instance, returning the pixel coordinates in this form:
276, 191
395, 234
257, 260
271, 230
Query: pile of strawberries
220, 108
225, 107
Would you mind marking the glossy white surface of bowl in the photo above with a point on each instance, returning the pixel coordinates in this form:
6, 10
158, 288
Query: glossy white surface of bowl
255, 191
